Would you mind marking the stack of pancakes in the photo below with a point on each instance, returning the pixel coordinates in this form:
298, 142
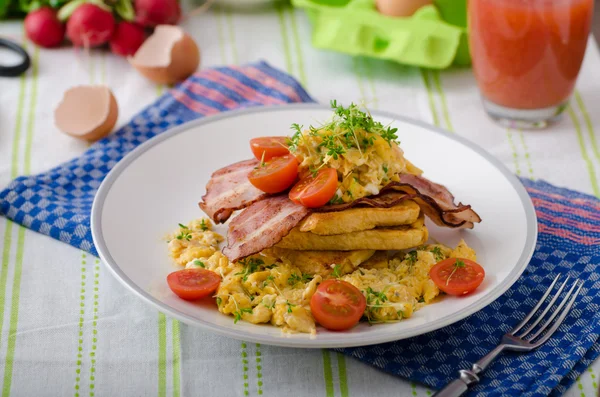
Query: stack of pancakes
351, 237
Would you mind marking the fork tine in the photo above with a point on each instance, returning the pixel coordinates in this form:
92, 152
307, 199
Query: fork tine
560, 319
548, 307
544, 326
537, 306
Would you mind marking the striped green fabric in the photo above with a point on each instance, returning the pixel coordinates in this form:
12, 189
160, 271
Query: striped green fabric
591, 169
67, 327
18, 268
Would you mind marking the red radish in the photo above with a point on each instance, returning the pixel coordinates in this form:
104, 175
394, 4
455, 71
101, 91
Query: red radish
43, 27
127, 38
157, 12
90, 26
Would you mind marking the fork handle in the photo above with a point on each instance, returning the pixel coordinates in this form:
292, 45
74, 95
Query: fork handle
458, 386
486, 360
469, 377
455, 388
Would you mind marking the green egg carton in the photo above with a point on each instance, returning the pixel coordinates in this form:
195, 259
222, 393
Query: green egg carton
434, 37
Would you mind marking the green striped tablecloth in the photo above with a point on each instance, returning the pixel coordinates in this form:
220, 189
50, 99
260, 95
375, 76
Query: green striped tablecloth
68, 328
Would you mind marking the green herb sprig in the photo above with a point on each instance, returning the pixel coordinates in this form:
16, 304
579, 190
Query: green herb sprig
337, 271
203, 225
184, 233
411, 258
437, 253
295, 279
342, 131
251, 265
334, 149
294, 141
198, 262
239, 312
336, 199
289, 306
375, 300
457, 265
379, 297
237, 315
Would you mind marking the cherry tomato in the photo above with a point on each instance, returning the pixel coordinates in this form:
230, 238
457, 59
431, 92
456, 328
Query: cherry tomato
276, 175
193, 284
270, 146
315, 191
337, 305
457, 276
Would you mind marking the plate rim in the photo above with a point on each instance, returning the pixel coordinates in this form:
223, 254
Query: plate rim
108, 261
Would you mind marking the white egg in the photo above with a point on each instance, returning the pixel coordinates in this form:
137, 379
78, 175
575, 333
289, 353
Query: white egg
400, 8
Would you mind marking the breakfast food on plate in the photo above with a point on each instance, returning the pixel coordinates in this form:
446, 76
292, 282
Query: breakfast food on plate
329, 227
278, 285
355, 219
322, 262
393, 238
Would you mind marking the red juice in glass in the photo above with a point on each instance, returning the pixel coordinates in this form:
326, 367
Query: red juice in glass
527, 55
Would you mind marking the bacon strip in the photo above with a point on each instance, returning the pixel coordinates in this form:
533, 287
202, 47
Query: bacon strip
385, 200
262, 225
268, 219
435, 201
230, 190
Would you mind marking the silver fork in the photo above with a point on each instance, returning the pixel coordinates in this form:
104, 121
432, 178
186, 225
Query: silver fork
522, 342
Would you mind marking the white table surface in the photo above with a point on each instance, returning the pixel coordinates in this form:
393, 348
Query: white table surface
67, 327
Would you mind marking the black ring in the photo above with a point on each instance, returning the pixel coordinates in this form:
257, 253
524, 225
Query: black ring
16, 70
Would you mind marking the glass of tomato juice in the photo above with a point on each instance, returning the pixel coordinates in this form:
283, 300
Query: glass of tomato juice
527, 55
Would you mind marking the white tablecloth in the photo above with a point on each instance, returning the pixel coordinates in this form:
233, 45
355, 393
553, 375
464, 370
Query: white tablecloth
67, 327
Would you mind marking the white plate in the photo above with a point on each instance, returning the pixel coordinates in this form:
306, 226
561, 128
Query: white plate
159, 184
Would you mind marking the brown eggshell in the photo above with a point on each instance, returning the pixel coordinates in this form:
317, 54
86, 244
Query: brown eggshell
400, 8
168, 56
87, 112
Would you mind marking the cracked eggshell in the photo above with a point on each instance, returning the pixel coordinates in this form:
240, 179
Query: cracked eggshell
168, 56
400, 8
87, 112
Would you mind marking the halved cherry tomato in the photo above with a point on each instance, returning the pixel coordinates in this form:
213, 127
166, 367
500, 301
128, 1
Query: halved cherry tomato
315, 191
276, 175
337, 305
193, 284
270, 146
457, 276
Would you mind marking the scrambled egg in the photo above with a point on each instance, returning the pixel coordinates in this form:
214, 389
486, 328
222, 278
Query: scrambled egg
364, 153
192, 241
260, 289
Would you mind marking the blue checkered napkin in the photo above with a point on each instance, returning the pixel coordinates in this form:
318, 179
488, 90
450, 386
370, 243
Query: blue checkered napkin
58, 202
569, 226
